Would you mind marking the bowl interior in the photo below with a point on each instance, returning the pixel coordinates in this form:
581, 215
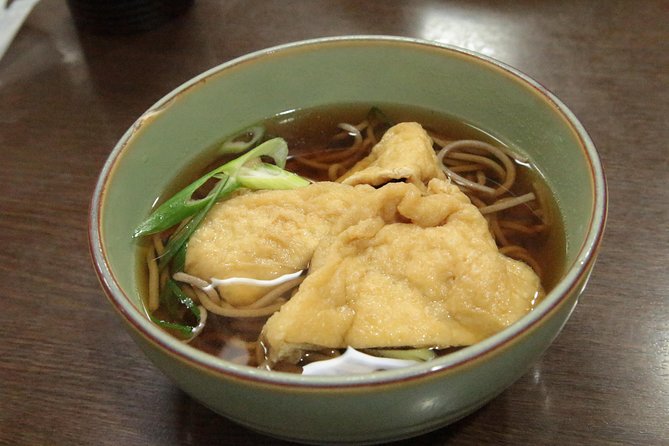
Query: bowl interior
175, 131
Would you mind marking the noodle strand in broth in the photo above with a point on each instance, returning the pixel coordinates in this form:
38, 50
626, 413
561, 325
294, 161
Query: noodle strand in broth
486, 173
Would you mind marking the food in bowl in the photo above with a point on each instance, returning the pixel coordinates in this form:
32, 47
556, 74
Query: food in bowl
395, 231
161, 153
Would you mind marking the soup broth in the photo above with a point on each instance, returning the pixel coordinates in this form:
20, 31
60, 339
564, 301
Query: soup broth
530, 232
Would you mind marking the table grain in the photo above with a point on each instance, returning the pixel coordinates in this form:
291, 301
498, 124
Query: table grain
69, 373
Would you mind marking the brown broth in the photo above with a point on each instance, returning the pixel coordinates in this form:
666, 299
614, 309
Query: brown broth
310, 131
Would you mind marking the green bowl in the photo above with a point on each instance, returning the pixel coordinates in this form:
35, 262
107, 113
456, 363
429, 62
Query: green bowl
381, 406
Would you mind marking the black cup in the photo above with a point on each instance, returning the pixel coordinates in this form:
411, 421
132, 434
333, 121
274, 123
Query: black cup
124, 16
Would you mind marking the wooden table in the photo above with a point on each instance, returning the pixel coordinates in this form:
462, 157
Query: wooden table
69, 373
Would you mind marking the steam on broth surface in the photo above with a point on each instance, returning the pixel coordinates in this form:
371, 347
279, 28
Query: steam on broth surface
325, 143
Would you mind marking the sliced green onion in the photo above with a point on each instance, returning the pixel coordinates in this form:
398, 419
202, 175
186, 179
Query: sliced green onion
268, 176
275, 148
172, 297
179, 259
183, 298
185, 330
236, 143
174, 210
182, 206
178, 240
169, 302
245, 171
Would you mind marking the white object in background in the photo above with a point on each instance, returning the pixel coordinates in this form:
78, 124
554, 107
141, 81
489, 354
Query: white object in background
353, 362
11, 19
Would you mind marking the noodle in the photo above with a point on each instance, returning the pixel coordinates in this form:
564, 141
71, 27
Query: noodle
467, 168
198, 283
475, 147
210, 298
467, 163
201, 324
353, 131
500, 237
486, 173
482, 161
507, 203
154, 279
439, 140
335, 171
462, 180
480, 177
277, 292
230, 311
519, 227
158, 245
336, 161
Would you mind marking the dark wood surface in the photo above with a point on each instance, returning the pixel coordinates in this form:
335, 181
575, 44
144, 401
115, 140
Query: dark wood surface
69, 374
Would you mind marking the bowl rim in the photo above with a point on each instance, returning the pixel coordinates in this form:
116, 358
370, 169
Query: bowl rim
575, 276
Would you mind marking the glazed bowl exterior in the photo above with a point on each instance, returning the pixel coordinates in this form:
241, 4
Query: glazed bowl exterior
373, 70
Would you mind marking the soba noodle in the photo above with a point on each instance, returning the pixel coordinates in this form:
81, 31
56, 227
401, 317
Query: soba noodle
484, 172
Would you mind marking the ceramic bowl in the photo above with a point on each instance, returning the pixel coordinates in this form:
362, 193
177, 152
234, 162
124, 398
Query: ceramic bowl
381, 406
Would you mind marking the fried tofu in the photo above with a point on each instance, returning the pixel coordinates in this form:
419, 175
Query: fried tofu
266, 234
441, 283
404, 153
396, 256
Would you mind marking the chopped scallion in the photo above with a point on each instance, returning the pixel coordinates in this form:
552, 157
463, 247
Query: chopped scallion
172, 297
182, 206
243, 140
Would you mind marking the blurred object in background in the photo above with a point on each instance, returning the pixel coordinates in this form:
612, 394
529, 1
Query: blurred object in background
124, 16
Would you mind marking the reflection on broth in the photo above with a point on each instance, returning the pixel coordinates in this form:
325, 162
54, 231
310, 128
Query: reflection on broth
365, 193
